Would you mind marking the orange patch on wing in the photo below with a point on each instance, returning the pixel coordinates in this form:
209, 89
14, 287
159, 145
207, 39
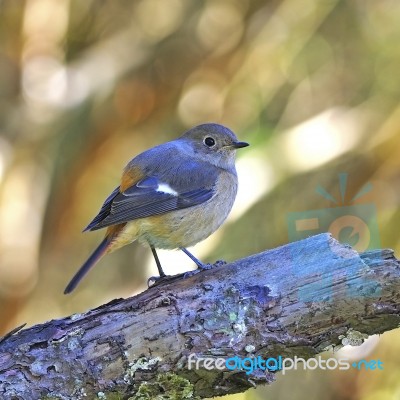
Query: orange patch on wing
130, 177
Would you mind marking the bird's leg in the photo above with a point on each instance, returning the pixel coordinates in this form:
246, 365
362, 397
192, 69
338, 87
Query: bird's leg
194, 259
159, 267
199, 264
153, 279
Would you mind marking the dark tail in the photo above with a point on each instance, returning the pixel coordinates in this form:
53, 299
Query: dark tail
91, 261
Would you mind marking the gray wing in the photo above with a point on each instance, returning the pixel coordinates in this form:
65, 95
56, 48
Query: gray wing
147, 198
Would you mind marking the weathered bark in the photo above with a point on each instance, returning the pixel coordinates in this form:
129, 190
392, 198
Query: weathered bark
297, 299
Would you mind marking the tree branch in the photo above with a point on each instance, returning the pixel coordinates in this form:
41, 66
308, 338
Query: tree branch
297, 299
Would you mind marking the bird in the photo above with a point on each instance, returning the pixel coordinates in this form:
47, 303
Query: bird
171, 196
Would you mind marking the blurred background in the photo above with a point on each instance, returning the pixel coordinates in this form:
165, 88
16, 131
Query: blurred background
313, 85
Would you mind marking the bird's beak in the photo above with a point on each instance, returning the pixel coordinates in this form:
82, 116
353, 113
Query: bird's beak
238, 145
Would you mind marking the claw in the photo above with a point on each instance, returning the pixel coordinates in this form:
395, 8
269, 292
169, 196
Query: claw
203, 267
219, 263
154, 280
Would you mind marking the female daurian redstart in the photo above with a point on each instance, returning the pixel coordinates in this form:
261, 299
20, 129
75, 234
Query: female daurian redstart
171, 196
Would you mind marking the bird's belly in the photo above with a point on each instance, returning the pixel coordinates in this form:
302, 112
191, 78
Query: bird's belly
186, 227
181, 228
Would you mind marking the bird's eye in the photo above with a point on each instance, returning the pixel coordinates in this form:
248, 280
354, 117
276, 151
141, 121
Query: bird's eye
209, 141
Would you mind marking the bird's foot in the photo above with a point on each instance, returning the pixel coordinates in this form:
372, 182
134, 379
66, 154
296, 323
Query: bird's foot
156, 280
219, 263
204, 267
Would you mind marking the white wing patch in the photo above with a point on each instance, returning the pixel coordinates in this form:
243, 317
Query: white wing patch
165, 188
